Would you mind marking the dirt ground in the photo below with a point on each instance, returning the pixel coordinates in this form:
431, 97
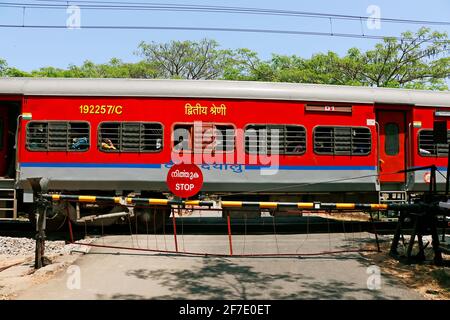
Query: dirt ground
17, 273
432, 282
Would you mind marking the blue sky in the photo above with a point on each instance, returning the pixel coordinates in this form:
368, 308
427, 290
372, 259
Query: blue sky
33, 48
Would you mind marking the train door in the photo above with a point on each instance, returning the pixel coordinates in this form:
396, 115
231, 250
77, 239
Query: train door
392, 156
3, 141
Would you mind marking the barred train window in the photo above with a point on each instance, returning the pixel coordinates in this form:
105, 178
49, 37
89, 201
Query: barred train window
342, 140
57, 136
207, 136
275, 139
130, 137
427, 147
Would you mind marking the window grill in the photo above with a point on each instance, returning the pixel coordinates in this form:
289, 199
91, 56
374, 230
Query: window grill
427, 147
57, 136
207, 136
275, 139
342, 140
130, 137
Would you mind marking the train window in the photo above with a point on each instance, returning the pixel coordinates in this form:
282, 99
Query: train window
203, 137
57, 136
275, 139
427, 147
391, 142
130, 137
342, 140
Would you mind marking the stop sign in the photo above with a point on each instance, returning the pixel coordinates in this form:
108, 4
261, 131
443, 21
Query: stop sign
184, 180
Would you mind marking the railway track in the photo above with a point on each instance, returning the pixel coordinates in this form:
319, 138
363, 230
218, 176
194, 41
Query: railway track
215, 225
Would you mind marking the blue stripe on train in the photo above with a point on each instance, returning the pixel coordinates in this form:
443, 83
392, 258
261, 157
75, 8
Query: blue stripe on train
158, 166
88, 165
313, 167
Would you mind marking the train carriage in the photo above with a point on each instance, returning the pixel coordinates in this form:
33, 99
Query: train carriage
278, 141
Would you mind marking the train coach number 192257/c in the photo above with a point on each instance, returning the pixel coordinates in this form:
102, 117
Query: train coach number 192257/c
101, 109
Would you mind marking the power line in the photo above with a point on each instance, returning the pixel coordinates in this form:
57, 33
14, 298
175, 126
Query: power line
181, 28
121, 6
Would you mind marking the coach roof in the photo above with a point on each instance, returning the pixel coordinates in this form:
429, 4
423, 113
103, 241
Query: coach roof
220, 89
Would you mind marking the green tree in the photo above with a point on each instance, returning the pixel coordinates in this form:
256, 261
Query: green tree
418, 60
187, 59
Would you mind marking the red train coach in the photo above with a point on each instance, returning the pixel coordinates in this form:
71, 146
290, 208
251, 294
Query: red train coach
278, 141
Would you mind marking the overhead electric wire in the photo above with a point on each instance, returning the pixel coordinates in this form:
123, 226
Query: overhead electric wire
141, 6
248, 30
119, 5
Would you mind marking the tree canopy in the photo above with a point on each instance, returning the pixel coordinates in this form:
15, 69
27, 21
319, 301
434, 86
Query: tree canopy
418, 60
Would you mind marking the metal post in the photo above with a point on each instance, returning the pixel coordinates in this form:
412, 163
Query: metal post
413, 236
229, 234
70, 230
40, 238
435, 239
397, 234
447, 181
39, 187
375, 231
447, 187
175, 229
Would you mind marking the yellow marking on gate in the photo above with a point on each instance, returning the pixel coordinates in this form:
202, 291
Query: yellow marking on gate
345, 206
233, 204
305, 205
192, 202
378, 206
87, 198
268, 205
158, 201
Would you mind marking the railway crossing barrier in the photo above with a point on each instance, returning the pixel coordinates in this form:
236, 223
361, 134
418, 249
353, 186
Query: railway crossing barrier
423, 214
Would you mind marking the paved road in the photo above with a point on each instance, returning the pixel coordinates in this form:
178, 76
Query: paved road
105, 274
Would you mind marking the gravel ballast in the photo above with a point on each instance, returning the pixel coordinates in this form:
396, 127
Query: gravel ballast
20, 246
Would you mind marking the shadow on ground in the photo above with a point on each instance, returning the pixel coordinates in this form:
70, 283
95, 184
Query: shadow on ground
222, 278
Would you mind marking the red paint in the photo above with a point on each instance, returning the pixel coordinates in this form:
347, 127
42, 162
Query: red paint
70, 231
4, 141
184, 180
392, 162
175, 231
240, 113
229, 235
426, 116
171, 111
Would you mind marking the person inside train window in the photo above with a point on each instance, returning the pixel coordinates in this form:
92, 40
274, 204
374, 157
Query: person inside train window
38, 136
181, 144
359, 147
323, 147
300, 148
108, 145
81, 143
423, 151
158, 144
